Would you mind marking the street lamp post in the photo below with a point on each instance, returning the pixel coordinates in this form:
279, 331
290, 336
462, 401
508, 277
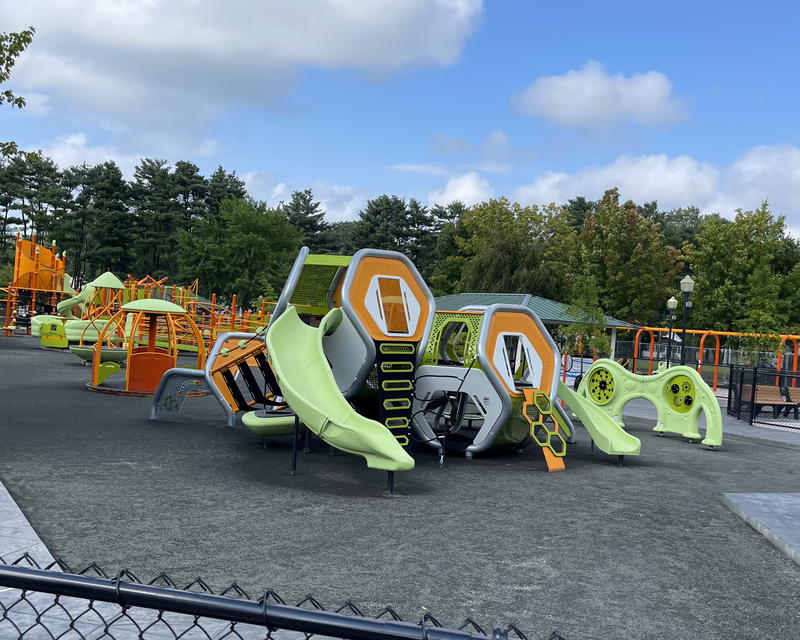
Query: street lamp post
687, 284
672, 304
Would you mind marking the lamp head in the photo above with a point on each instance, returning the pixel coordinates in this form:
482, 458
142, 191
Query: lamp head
672, 303
687, 284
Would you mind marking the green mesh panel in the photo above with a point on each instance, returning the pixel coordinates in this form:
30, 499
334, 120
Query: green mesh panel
517, 427
311, 293
470, 346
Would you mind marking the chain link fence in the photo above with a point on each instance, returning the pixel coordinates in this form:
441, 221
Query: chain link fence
54, 602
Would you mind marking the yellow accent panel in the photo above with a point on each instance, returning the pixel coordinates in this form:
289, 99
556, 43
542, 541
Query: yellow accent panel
513, 322
371, 266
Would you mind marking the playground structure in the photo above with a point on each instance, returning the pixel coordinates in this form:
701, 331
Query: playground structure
476, 369
39, 280
678, 393
148, 330
355, 350
354, 343
40, 295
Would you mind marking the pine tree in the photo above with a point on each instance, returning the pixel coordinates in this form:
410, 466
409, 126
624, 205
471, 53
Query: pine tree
223, 185
306, 215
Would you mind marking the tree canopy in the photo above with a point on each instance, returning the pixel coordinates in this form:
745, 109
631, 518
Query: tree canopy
606, 256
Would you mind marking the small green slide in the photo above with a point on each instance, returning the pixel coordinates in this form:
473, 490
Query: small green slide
607, 435
308, 386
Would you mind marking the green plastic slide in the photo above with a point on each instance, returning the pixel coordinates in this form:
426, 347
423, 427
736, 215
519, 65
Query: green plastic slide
607, 435
65, 306
308, 386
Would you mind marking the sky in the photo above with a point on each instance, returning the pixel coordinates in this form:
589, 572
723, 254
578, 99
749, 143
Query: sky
685, 103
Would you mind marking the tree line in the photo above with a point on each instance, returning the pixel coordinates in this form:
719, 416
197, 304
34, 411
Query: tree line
623, 257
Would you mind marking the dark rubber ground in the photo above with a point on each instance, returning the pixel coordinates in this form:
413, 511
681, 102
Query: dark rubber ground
598, 551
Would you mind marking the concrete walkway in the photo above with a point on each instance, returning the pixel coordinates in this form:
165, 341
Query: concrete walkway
17, 536
774, 515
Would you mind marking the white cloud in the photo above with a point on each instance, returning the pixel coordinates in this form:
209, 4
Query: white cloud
672, 181
74, 149
186, 60
766, 173
591, 97
339, 202
469, 188
762, 172
425, 169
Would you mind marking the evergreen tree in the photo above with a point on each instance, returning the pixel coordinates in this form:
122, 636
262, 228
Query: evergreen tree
191, 192
577, 210
158, 218
223, 185
306, 215
382, 224
112, 224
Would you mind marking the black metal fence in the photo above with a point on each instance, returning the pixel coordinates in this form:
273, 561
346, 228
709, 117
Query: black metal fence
764, 396
55, 602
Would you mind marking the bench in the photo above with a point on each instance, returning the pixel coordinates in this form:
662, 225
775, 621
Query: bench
767, 396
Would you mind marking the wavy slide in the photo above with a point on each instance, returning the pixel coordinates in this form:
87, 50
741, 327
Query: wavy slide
607, 435
308, 386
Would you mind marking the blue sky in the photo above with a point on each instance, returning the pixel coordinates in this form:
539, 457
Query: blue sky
684, 103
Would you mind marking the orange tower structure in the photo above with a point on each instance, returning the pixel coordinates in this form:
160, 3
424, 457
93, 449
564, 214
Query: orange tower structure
39, 277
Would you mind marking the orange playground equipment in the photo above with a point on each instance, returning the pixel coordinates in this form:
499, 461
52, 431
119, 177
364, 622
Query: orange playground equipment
39, 279
149, 330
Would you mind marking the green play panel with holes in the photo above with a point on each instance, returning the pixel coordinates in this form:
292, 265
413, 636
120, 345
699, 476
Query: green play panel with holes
679, 394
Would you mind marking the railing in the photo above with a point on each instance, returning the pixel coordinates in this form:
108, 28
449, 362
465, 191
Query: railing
54, 602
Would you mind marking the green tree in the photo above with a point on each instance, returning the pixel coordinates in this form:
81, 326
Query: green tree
382, 224
12, 44
247, 252
505, 250
633, 266
762, 317
446, 264
308, 217
11, 47
577, 210
340, 237
158, 218
223, 185
111, 231
190, 190
724, 261
588, 332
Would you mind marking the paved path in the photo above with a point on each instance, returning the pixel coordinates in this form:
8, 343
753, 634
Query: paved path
17, 536
774, 515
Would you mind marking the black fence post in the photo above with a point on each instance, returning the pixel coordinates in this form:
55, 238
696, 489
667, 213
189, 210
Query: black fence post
753, 394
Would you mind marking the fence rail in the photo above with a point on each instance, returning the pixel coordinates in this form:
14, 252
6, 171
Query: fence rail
54, 602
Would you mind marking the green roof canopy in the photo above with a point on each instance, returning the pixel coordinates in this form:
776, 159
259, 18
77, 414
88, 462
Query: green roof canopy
153, 305
549, 311
107, 280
